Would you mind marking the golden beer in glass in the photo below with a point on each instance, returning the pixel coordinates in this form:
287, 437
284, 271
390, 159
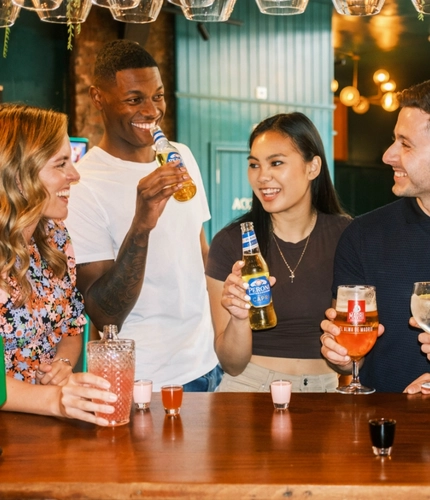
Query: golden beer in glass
357, 318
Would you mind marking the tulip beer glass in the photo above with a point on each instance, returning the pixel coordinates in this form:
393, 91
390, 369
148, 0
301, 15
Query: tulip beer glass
357, 318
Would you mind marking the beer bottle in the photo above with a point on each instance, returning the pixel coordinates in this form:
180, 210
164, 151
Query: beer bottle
165, 152
256, 273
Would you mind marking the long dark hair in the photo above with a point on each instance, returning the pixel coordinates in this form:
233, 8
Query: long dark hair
300, 129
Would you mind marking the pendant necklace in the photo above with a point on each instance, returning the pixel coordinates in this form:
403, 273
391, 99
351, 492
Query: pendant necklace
292, 271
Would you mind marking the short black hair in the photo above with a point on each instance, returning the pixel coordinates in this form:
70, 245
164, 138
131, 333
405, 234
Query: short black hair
416, 96
119, 55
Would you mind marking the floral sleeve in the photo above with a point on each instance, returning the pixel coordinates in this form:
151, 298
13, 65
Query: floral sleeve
73, 313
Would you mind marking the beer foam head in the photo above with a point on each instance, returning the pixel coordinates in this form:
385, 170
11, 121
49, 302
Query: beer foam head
346, 293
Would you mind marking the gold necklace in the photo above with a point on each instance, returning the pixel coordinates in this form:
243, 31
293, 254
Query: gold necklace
292, 271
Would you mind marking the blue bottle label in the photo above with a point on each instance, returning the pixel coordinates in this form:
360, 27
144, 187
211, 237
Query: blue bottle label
174, 156
259, 291
249, 241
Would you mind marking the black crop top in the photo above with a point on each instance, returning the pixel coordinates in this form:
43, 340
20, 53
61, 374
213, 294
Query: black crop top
300, 306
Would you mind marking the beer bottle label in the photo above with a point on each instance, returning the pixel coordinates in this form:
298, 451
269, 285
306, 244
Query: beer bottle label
356, 312
259, 291
174, 156
249, 241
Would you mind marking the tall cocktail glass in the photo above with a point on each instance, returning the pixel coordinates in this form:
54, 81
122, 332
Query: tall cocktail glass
114, 360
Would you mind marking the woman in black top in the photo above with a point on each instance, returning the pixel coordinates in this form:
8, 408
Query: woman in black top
298, 221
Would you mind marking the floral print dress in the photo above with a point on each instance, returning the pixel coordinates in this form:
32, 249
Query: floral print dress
31, 332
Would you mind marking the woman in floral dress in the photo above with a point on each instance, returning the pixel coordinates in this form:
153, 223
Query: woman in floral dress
41, 310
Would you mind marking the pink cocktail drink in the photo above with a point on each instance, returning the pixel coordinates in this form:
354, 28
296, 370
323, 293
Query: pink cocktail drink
114, 360
122, 382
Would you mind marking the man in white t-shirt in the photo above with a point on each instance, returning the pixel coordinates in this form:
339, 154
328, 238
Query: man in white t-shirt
141, 253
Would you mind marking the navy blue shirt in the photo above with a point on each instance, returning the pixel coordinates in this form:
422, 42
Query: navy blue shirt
390, 249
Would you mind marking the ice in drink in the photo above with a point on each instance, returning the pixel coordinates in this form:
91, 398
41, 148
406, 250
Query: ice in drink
420, 307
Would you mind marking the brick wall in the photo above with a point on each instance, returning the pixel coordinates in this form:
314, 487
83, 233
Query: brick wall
99, 28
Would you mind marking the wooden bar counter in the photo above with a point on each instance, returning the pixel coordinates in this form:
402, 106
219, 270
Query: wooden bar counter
224, 445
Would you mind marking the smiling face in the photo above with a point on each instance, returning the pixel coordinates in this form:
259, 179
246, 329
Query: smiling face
278, 175
130, 106
409, 155
56, 177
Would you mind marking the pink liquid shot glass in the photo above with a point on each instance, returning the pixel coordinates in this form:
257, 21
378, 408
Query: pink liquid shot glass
281, 394
142, 393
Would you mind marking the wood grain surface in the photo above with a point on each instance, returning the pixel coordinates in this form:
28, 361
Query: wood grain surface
224, 445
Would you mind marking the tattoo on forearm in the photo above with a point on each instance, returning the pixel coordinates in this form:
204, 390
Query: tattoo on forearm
118, 291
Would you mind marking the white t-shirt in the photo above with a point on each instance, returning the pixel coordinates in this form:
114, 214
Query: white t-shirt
171, 322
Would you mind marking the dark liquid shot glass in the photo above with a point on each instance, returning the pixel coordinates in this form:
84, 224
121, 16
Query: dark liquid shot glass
382, 435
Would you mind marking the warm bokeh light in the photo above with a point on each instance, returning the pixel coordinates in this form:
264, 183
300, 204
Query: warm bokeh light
389, 86
381, 76
334, 85
387, 28
362, 106
349, 96
389, 101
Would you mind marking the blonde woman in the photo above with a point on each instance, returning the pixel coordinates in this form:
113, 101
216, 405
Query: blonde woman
41, 311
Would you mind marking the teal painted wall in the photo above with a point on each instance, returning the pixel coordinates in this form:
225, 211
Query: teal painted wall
35, 69
291, 56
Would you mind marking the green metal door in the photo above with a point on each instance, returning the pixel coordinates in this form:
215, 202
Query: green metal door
230, 193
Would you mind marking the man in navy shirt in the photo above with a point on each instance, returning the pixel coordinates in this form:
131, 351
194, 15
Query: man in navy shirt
390, 249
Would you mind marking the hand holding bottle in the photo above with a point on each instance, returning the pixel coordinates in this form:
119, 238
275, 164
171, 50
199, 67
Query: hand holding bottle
153, 192
256, 274
235, 297
165, 152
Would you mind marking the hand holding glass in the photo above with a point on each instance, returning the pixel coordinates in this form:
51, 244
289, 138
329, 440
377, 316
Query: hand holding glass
114, 360
357, 318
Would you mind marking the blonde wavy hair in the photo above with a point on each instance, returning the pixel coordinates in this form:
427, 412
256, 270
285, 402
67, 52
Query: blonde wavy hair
29, 137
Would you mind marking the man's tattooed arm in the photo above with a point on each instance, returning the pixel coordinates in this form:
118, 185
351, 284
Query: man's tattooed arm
111, 288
